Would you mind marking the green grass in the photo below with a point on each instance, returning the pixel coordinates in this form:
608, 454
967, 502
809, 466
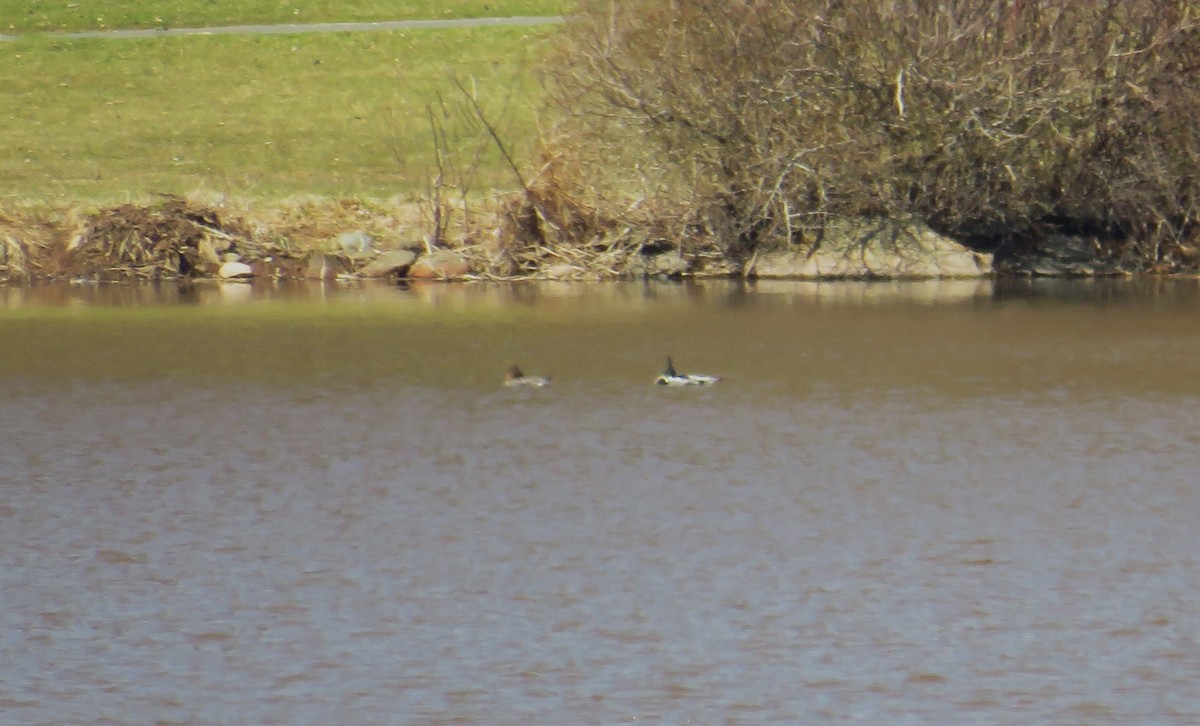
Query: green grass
257, 116
58, 15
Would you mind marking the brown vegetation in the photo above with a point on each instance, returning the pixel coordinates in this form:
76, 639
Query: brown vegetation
174, 237
1001, 123
170, 238
527, 235
24, 238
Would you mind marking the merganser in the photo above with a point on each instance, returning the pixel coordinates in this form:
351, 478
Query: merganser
513, 377
671, 378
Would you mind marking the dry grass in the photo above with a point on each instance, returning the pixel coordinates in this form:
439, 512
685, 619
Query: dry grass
25, 237
520, 236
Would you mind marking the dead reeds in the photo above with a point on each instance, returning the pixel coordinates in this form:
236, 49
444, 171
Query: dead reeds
25, 238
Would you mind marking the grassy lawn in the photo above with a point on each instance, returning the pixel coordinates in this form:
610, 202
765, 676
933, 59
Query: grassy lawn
257, 116
45, 15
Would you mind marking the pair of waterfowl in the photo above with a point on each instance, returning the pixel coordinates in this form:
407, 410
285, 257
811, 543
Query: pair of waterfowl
514, 377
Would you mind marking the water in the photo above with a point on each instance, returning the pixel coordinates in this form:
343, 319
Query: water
905, 504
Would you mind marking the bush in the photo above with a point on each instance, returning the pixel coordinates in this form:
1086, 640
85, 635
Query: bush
997, 122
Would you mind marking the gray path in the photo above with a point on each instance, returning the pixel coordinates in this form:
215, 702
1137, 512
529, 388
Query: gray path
306, 28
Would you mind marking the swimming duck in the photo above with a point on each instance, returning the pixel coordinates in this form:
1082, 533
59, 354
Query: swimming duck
672, 378
513, 377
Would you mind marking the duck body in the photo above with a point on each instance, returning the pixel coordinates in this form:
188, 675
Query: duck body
515, 378
671, 377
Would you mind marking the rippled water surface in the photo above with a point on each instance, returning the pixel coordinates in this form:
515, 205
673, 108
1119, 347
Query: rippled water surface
904, 504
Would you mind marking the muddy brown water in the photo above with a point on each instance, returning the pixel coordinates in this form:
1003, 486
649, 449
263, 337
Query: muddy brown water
907, 504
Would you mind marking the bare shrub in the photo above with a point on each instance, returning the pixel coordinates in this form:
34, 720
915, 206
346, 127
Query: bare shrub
997, 122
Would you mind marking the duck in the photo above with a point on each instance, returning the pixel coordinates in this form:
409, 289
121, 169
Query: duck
670, 377
514, 378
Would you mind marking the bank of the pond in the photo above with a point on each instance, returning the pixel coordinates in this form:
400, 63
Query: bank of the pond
509, 238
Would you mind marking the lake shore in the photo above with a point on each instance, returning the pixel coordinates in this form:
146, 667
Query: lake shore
503, 238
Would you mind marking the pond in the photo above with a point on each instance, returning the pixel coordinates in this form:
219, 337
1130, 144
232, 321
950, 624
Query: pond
958, 502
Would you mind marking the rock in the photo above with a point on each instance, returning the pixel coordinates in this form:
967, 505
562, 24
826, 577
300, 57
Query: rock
356, 244
874, 249
441, 265
235, 271
668, 264
392, 262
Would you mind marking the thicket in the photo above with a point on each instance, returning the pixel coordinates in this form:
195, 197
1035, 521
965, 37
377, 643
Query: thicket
1000, 123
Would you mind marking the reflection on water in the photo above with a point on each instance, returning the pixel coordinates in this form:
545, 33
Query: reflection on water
1138, 291
898, 507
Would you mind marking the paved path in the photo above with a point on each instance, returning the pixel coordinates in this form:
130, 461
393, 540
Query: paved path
305, 28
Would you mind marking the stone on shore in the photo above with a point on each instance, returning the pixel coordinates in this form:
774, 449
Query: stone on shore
874, 249
441, 265
392, 262
235, 271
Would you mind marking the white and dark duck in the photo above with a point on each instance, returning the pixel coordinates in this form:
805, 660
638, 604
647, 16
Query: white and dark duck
671, 377
514, 378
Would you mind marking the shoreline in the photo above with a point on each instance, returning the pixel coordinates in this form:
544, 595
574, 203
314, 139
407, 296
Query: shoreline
180, 238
